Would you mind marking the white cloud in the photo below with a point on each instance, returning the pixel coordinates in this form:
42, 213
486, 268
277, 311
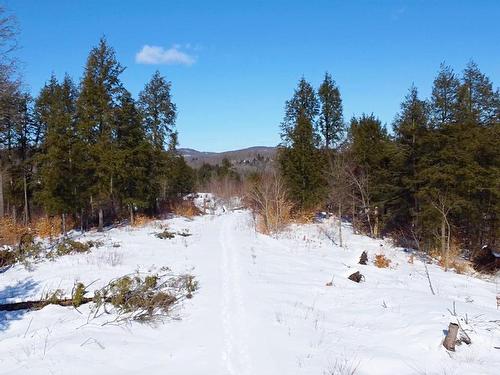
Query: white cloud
153, 55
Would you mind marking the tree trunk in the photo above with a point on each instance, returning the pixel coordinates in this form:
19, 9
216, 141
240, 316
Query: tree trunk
131, 209
451, 337
63, 221
376, 229
26, 212
101, 220
340, 224
353, 215
2, 207
444, 253
81, 220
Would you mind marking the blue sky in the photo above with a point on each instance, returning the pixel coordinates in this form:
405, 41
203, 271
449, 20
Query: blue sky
234, 63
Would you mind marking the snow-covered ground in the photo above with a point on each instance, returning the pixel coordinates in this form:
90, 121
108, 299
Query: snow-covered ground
263, 307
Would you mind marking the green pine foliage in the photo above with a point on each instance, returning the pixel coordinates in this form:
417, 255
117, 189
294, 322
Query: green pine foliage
302, 166
304, 103
57, 166
90, 151
331, 121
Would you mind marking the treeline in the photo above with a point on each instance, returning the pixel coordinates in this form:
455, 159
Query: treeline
432, 180
89, 151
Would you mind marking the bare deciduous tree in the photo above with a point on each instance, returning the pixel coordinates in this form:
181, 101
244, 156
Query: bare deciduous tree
443, 205
348, 183
268, 198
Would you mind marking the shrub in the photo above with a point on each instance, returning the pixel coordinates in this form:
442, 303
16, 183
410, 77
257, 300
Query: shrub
142, 220
48, 227
28, 248
185, 208
381, 261
11, 232
7, 258
78, 294
71, 247
165, 235
268, 199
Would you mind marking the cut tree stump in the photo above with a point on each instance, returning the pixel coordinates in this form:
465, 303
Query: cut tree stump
356, 277
363, 259
451, 337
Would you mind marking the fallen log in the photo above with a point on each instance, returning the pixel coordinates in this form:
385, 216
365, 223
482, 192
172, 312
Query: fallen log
37, 305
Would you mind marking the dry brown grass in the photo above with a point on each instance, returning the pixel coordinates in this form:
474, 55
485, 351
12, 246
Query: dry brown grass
461, 266
51, 227
186, 208
304, 217
411, 259
268, 199
381, 261
11, 232
142, 220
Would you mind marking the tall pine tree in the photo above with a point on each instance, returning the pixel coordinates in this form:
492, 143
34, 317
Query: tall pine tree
100, 90
331, 121
57, 161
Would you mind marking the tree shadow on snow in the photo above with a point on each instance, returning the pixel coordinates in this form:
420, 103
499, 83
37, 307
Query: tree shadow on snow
17, 291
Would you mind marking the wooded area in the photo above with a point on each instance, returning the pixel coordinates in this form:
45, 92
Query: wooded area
88, 152
431, 181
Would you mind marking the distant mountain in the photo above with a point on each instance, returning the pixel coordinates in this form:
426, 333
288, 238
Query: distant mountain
251, 156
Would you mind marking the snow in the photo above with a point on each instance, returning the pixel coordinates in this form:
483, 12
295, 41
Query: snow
263, 306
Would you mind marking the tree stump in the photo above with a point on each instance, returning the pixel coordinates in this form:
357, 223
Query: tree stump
451, 337
363, 259
356, 277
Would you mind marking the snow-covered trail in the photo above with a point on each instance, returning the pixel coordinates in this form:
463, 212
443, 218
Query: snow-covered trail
236, 354
262, 308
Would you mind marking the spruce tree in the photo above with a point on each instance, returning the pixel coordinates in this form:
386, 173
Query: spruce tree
477, 101
134, 155
303, 104
375, 176
100, 90
331, 121
159, 115
303, 165
444, 98
158, 110
411, 134
57, 161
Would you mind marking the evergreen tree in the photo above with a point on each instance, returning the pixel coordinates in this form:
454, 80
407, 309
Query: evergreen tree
303, 165
181, 178
100, 90
374, 179
57, 161
478, 103
460, 167
411, 134
159, 112
444, 99
135, 157
303, 104
331, 121
22, 137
